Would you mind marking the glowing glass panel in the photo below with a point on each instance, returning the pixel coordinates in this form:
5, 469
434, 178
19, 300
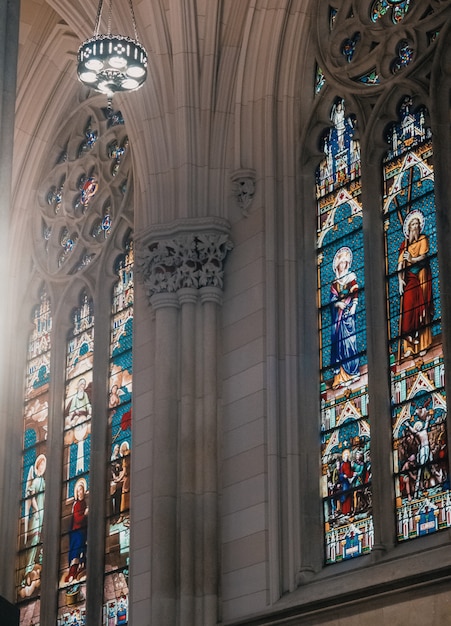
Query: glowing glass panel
77, 452
345, 429
120, 418
320, 79
34, 461
420, 451
398, 9
370, 78
349, 47
404, 58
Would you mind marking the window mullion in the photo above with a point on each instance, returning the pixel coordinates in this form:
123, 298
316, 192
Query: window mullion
377, 343
98, 463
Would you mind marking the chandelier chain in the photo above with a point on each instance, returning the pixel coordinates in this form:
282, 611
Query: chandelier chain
110, 15
132, 12
98, 18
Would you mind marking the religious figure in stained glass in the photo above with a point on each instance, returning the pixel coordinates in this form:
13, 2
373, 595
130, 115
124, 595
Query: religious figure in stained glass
77, 453
78, 533
345, 428
415, 287
344, 299
29, 566
78, 425
420, 453
120, 420
33, 520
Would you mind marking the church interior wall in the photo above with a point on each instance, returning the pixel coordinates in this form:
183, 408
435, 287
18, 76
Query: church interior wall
246, 123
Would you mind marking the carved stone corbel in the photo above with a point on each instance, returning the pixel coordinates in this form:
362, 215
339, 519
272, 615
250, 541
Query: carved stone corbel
243, 187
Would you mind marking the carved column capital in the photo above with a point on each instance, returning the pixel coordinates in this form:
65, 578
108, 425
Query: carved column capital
189, 254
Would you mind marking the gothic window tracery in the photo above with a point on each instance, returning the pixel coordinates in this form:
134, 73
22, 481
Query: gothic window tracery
83, 217
370, 43
345, 421
74, 195
358, 56
34, 464
420, 451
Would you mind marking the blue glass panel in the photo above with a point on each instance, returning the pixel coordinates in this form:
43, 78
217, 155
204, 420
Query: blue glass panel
404, 58
34, 459
398, 9
76, 466
349, 47
420, 453
320, 79
120, 411
345, 430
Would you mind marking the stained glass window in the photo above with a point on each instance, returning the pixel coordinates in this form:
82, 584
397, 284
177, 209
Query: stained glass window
370, 78
115, 608
345, 429
349, 47
420, 452
91, 137
332, 17
34, 464
84, 209
404, 58
77, 449
320, 79
397, 8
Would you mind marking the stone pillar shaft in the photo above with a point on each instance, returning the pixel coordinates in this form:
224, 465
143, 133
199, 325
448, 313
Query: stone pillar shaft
164, 480
187, 475
211, 299
183, 273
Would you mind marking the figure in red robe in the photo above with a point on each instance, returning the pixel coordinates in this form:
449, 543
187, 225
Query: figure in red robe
415, 287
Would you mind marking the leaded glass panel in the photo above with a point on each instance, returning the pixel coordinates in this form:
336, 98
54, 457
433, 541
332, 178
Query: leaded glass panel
34, 459
420, 451
345, 429
396, 8
120, 442
77, 450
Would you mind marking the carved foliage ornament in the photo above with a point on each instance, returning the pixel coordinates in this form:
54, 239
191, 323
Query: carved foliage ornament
186, 261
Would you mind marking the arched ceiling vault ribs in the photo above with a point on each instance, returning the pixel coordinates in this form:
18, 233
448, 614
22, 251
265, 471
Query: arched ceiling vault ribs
38, 109
179, 122
80, 16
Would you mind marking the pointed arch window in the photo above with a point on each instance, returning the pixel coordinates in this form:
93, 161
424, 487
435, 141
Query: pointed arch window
419, 425
356, 76
76, 457
120, 441
34, 459
345, 424
83, 231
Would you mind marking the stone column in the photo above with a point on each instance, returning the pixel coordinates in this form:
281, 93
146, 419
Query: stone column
211, 299
164, 479
181, 266
10, 441
188, 298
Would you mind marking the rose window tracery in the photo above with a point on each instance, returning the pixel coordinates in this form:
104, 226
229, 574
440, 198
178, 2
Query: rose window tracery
86, 191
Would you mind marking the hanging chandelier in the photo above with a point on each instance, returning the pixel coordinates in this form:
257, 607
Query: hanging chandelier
112, 63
